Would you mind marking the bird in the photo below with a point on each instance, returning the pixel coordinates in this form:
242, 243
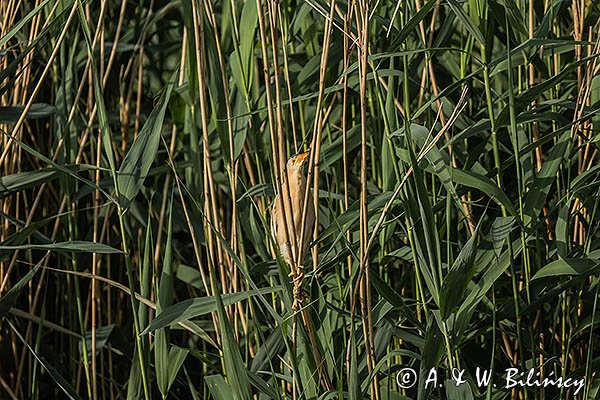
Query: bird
296, 184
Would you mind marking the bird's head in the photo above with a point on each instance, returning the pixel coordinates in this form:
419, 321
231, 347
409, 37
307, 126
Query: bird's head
297, 160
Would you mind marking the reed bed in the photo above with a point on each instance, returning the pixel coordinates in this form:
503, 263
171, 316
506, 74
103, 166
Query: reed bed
453, 170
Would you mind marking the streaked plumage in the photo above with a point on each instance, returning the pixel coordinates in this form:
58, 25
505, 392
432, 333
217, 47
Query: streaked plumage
297, 187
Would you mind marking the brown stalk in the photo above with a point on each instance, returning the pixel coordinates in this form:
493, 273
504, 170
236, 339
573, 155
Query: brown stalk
535, 126
95, 303
232, 169
284, 189
577, 133
288, 82
347, 55
363, 281
274, 153
313, 172
396, 101
209, 191
271, 121
6, 387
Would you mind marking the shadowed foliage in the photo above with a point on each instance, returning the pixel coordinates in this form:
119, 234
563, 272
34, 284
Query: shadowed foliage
453, 171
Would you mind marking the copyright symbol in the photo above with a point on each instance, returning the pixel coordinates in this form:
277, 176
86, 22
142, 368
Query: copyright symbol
406, 378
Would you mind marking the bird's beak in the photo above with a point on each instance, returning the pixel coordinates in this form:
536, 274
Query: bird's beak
303, 156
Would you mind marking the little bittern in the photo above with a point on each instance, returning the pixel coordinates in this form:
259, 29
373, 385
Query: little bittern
296, 184
292, 193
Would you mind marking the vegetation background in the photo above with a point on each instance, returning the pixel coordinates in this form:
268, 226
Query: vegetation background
454, 149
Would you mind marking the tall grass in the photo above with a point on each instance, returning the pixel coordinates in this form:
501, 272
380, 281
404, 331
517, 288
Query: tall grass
453, 169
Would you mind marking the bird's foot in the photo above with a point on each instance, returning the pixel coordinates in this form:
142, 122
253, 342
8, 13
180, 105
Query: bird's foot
297, 276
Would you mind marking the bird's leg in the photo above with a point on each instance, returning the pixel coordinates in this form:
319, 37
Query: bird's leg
298, 292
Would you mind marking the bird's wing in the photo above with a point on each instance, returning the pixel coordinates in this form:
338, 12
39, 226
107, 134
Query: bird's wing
284, 248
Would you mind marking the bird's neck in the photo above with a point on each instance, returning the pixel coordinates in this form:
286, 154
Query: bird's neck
296, 185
